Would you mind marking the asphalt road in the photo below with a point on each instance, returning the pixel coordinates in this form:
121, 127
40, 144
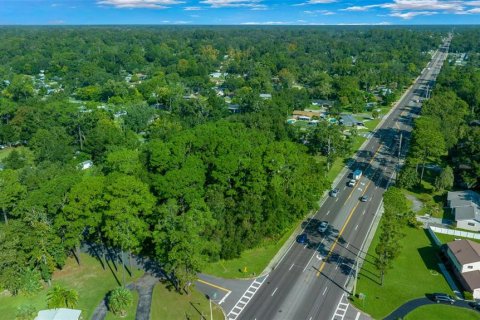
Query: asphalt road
310, 280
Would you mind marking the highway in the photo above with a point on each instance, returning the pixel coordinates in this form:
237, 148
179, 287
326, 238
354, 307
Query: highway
311, 279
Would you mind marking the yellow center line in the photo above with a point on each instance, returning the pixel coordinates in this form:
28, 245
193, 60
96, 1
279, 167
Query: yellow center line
212, 285
322, 266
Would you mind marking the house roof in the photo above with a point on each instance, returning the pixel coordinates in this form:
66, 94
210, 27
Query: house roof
465, 251
466, 204
348, 119
306, 113
59, 314
472, 279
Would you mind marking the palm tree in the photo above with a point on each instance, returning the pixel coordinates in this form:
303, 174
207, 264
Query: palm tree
60, 297
119, 300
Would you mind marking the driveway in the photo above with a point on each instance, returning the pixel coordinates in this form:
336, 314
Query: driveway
411, 305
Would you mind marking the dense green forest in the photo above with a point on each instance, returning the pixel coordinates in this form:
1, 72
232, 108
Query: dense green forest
123, 136
448, 132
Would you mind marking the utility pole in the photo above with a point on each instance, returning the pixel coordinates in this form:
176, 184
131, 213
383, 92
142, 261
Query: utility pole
356, 276
400, 147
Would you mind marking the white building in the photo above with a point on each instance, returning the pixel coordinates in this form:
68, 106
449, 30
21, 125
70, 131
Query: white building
465, 206
465, 258
59, 314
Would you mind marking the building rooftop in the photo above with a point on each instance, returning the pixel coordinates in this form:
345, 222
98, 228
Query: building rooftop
465, 251
472, 279
465, 204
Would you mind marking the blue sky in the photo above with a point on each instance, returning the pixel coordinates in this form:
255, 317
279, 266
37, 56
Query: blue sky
239, 12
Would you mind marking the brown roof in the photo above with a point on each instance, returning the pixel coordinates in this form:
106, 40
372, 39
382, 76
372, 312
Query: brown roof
465, 251
306, 113
472, 278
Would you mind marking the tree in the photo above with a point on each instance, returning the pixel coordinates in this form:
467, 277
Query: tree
445, 180
428, 141
119, 300
11, 191
408, 177
21, 88
60, 297
52, 145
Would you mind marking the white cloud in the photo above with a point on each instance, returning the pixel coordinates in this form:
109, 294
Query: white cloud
360, 8
148, 4
56, 22
410, 14
253, 4
193, 8
309, 2
321, 12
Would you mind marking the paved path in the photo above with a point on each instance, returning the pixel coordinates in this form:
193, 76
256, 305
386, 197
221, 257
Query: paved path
417, 205
408, 307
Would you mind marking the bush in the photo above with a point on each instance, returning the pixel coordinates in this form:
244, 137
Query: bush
468, 295
119, 300
30, 282
60, 297
25, 312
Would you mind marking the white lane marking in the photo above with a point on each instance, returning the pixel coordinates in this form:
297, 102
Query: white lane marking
356, 227
364, 212
316, 249
237, 309
347, 245
324, 291
336, 200
328, 212
344, 187
274, 291
291, 267
224, 297
358, 316
341, 309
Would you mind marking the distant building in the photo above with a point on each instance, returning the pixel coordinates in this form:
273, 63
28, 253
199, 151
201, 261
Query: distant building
234, 108
323, 103
85, 165
265, 96
465, 207
348, 120
305, 115
464, 256
59, 314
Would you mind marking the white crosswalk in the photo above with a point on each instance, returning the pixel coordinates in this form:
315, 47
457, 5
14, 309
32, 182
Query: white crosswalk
245, 299
341, 310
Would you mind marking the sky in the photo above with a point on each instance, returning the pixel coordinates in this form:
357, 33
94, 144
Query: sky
239, 12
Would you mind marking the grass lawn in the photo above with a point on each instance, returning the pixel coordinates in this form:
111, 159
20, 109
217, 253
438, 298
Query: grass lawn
191, 306
255, 260
445, 238
130, 312
89, 279
415, 272
5, 152
442, 312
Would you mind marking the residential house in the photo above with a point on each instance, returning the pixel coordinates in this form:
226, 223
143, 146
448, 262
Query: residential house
306, 115
59, 314
85, 165
323, 103
234, 108
465, 206
465, 258
265, 96
348, 120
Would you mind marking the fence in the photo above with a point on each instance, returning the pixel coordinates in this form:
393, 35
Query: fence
458, 233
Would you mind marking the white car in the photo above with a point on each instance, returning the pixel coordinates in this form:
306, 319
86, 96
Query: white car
352, 182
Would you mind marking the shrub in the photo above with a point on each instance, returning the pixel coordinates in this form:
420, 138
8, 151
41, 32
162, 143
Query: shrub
119, 300
468, 295
25, 312
60, 297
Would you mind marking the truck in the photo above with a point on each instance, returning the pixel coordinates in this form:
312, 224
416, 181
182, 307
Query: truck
357, 174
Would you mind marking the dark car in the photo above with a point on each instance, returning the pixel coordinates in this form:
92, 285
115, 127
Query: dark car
302, 238
364, 198
475, 305
442, 297
322, 226
334, 192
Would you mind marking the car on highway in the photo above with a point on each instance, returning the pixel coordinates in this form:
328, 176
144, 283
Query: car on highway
364, 198
303, 238
334, 192
352, 182
322, 226
442, 297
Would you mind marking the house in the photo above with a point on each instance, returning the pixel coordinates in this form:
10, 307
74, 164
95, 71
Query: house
348, 120
465, 258
465, 206
85, 165
323, 103
265, 96
305, 115
234, 108
59, 314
